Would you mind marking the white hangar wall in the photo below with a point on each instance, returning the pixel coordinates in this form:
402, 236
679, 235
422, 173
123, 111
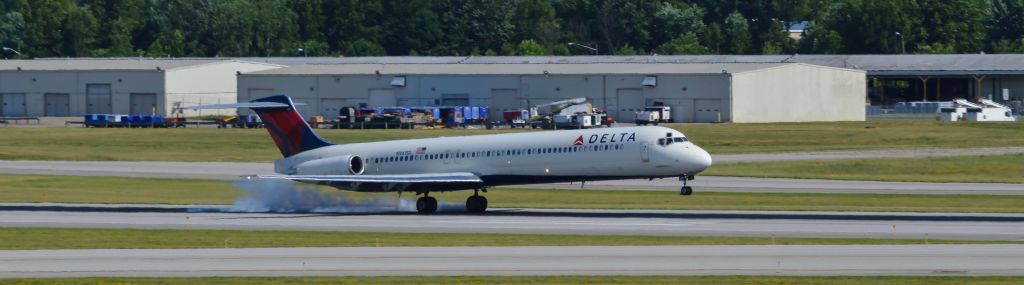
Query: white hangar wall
798, 93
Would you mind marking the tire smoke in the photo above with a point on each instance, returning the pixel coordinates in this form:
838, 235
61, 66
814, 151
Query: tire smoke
285, 196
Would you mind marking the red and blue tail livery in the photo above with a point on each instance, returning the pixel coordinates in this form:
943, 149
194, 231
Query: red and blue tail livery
291, 133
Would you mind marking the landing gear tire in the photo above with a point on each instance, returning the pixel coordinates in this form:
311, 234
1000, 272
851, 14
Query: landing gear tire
686, 191
426, 205
476, 204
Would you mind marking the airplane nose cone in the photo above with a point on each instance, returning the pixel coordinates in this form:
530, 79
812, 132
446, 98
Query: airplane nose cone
702, 160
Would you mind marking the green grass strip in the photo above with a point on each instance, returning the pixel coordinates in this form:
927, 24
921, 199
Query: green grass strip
89, 238
639, 280
983, 169
81, 189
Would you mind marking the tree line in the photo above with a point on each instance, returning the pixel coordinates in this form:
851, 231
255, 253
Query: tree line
208, 28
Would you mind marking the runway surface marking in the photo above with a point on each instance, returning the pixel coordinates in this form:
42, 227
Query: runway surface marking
232, 170
550, 221
533, 260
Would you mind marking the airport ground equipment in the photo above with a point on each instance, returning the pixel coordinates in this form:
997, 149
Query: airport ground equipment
132, 121
369, 118
244, 121
576, 113
652, 115
983, 111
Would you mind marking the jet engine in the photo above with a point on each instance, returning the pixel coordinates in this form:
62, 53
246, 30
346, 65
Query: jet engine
336, 165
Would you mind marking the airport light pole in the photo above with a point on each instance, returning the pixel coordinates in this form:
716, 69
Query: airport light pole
586, 47
903, 46
12, 50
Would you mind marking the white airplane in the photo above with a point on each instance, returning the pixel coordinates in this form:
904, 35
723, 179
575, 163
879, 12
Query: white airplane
473, 162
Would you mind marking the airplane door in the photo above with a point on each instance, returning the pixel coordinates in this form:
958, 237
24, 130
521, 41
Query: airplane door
645, 152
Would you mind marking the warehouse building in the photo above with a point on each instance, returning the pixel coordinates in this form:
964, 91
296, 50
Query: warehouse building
697, 92
891, 78
75, 87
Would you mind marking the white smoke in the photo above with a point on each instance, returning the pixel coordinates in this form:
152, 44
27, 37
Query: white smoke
279, 195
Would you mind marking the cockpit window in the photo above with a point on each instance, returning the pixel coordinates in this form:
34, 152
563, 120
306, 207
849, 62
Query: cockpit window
679, 139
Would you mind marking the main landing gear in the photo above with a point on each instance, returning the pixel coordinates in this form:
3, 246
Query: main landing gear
476, 203
686, 190
426, 204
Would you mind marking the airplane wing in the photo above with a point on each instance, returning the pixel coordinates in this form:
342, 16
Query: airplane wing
390, 183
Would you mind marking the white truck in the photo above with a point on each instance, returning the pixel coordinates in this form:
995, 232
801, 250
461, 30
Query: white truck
652, 115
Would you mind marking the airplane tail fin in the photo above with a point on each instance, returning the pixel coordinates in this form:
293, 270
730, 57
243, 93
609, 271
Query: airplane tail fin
290, 132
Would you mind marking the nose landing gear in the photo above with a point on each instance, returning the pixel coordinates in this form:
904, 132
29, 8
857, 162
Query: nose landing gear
686, 190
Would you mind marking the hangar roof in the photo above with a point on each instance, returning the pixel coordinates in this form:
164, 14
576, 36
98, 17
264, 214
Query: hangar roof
518, 69
106, 64
892, 64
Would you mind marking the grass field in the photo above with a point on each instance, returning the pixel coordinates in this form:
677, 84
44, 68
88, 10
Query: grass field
639, 280
74, 189
986, 169
69, 238
209, 144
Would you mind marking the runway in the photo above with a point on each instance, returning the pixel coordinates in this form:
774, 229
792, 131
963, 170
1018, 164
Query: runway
586, 222
542, 260
232, 170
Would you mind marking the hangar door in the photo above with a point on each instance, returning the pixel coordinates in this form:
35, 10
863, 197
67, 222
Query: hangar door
382, 98
630, 100
97, 99
505, 99
143, 104
13, 104
707, 110
57, 104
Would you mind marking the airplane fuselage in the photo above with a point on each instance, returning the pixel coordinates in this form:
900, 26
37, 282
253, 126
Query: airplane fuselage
519, 158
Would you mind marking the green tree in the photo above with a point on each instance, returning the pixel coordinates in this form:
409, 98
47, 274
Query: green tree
626, 49
684, 44
870, 26
935, 48
12, 32
535, 20
671, 21
475, 25
737, 34
78, 31
1005, 23
958, 24
410, 26
530, 47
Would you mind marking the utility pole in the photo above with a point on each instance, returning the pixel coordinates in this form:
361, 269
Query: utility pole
903, 46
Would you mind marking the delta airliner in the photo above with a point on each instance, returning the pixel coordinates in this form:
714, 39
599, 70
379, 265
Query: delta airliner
475, 162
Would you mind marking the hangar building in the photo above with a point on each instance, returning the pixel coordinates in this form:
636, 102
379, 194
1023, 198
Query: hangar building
75, 87
698, 92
